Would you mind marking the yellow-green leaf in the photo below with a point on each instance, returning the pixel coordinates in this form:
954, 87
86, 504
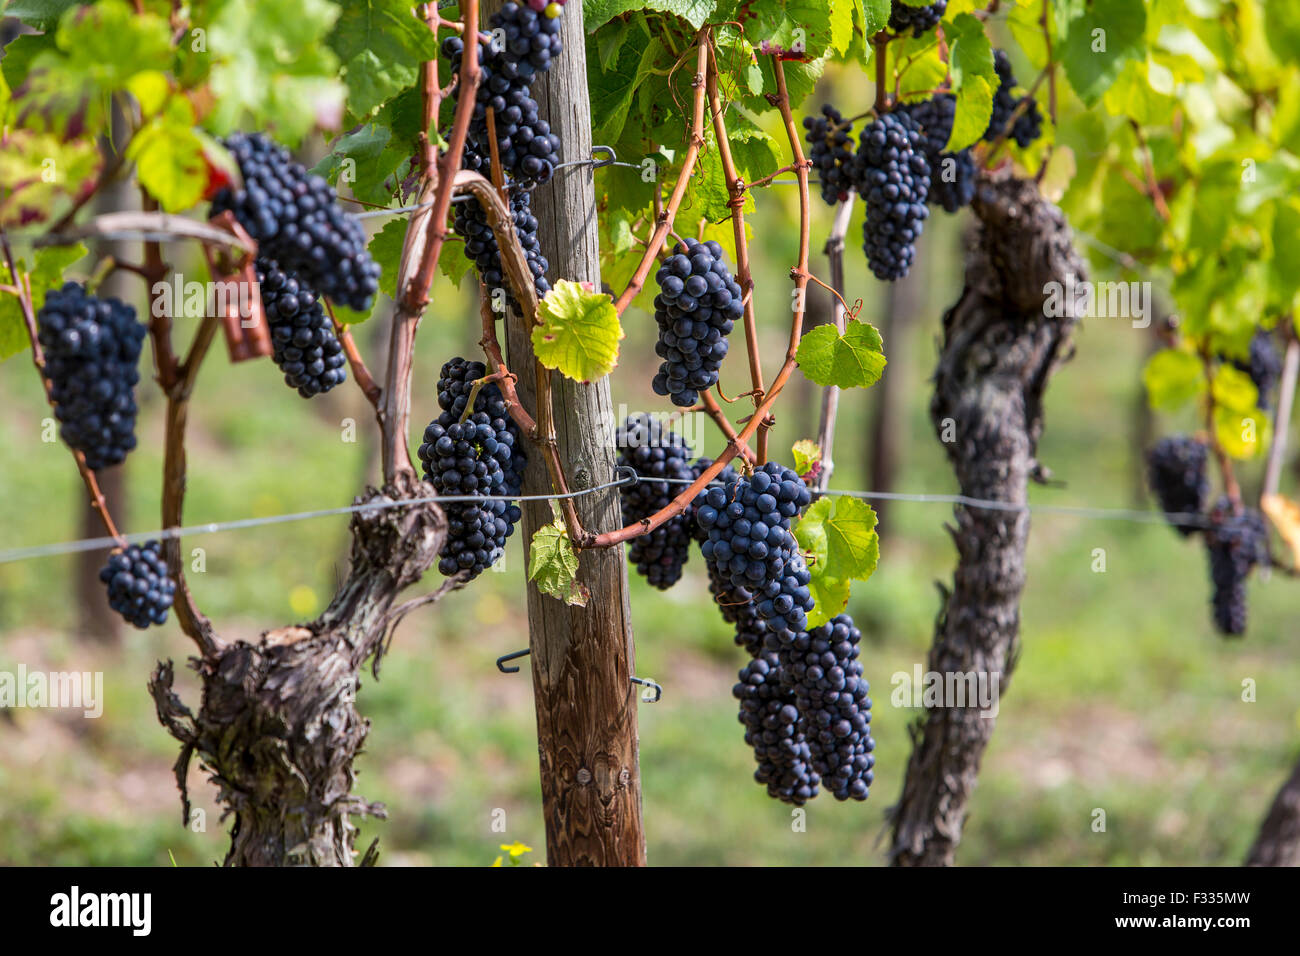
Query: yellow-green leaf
579, 332
853, 359
1172, 379
553, 563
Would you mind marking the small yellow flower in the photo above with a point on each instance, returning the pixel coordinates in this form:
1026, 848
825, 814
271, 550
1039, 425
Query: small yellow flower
516, 849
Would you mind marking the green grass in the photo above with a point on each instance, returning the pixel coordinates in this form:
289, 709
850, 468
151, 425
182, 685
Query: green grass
1123, 700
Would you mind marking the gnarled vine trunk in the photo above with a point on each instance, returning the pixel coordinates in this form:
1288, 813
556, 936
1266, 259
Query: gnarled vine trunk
1278, 840
1000, 346
278, 727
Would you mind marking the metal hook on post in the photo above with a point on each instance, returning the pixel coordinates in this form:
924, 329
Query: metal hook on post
650, 688
501, 661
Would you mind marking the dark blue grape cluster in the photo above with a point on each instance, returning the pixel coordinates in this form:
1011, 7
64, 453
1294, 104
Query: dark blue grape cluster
91, 350
655, 453
822, 670
481, 456
1176, 472
302, 335
775, 730
139, 586
528, 150
952, 175
1237, 541
455, 385
749, 539
471, 224
917, 19
894, 179
696, 308
296, 220
1029, 124
830, 144
1264, 366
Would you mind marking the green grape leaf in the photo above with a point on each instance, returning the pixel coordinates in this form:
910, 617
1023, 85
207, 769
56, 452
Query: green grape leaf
1172, 379
799, 26
553, 563
830, 597
21, 53
41, 14
383, 45
807, 454
839, 534
695, 12
754, 150
386, 248
974, 81
271, 65
96, 51
874, 15
1098, 44
454, 264
47, 274
613, 90
579, 332
851, 360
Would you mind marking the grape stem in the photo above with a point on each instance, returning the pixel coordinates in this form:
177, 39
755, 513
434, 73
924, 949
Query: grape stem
365, 381
1152, 190
669, 213
831, 393
22, 288
879, 46
1051, 85
426, 233
736, 189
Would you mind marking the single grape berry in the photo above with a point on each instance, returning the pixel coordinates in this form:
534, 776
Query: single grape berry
917, 19
952, 175
1264, 366
1236, 543
302, 335
139, 586
696, 308
822, 670
1176, 472
893, 177
830, 144
655, 454
1029, 124
91, 348
297, 221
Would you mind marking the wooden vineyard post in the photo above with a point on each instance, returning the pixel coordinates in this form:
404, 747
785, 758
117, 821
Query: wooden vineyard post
582, 658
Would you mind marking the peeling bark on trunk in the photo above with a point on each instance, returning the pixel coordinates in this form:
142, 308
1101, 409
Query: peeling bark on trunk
999, 349
1278, 841
278, 728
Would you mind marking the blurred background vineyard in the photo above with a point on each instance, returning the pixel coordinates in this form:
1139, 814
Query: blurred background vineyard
1123, 699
